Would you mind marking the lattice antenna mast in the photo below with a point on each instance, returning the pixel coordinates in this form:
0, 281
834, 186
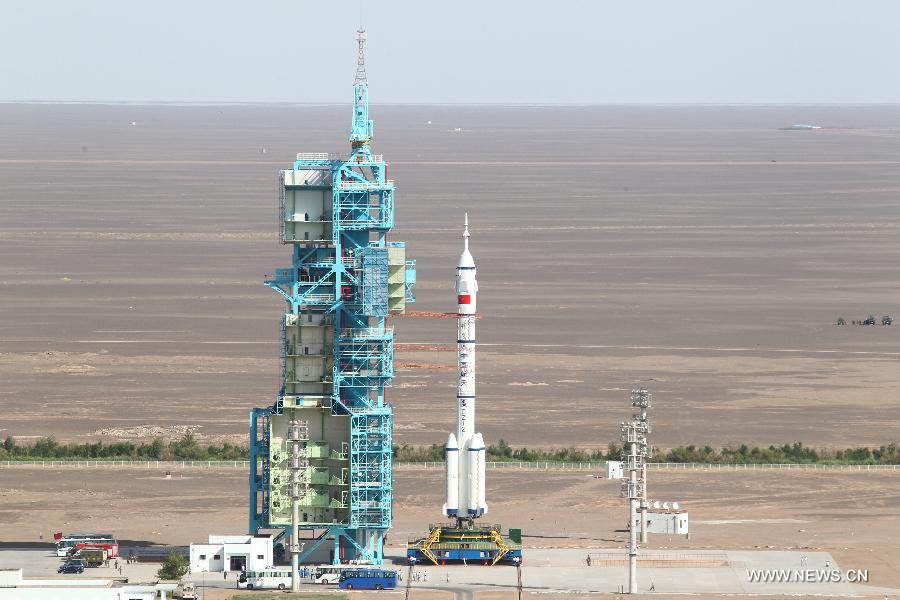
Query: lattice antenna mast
361, 130
361, 57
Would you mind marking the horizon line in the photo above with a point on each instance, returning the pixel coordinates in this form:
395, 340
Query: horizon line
189, 103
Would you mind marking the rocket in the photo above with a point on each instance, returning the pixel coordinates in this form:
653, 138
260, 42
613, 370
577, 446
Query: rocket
465, 453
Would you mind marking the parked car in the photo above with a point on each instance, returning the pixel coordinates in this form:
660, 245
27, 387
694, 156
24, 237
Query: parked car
73, 566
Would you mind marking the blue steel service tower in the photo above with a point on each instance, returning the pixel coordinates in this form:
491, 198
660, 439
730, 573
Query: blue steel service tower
320, 457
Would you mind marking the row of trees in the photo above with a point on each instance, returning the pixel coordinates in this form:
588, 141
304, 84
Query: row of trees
502, 451
788, 453
743, 454
188, 448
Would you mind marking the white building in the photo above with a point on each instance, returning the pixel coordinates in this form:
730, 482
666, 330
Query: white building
16, 587
614, 469
661, 521
232, 553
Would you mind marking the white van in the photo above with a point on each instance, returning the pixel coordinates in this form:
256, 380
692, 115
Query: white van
266, 579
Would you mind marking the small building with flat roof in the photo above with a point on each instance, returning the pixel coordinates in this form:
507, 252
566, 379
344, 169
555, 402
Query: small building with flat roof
232, 553
671, 522
614, 469
13, 586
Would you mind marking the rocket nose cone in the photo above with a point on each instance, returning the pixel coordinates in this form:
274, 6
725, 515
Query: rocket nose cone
451, 442
466, 261
477, 441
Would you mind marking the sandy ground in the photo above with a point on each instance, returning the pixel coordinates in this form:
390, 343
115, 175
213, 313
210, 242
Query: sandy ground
700, 252
850, 515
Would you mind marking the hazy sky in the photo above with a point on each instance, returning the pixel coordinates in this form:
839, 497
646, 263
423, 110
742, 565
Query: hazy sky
423, 51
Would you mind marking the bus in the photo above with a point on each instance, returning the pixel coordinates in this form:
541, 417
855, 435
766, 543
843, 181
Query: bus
64, 543
266, 579
367, 579
327, 574
280, 578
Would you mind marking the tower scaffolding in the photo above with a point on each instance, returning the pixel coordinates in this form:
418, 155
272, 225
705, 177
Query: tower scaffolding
337, 351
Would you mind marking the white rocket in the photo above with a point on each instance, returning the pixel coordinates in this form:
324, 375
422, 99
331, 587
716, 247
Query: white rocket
465, 450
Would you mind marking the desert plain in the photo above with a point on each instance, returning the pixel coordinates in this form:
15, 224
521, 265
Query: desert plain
701, 252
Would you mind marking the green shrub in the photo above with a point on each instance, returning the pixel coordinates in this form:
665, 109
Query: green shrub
174, 567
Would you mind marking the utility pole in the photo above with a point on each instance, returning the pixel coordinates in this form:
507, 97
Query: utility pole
519, 576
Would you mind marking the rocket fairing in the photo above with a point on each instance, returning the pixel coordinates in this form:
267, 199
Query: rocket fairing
465, 453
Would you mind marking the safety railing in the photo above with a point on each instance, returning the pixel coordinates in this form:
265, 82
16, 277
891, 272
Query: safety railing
365, 185
362, 158
317, 298
366, 333
317, 156
295, 237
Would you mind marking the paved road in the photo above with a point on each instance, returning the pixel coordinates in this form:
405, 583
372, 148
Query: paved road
547, 571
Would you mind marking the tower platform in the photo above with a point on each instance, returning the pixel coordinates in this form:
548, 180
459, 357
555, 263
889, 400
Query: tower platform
485, 544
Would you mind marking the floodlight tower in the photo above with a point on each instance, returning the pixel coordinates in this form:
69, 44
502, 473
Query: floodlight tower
634, 441
640, 400
321, 455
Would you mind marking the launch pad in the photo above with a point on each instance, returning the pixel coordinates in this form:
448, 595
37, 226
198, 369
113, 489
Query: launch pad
452, 543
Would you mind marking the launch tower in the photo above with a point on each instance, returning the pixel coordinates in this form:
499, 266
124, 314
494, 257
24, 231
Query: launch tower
320, 456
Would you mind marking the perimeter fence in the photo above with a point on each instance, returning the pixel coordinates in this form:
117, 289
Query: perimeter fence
131, 464
679, 560
601, 466
493, 465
